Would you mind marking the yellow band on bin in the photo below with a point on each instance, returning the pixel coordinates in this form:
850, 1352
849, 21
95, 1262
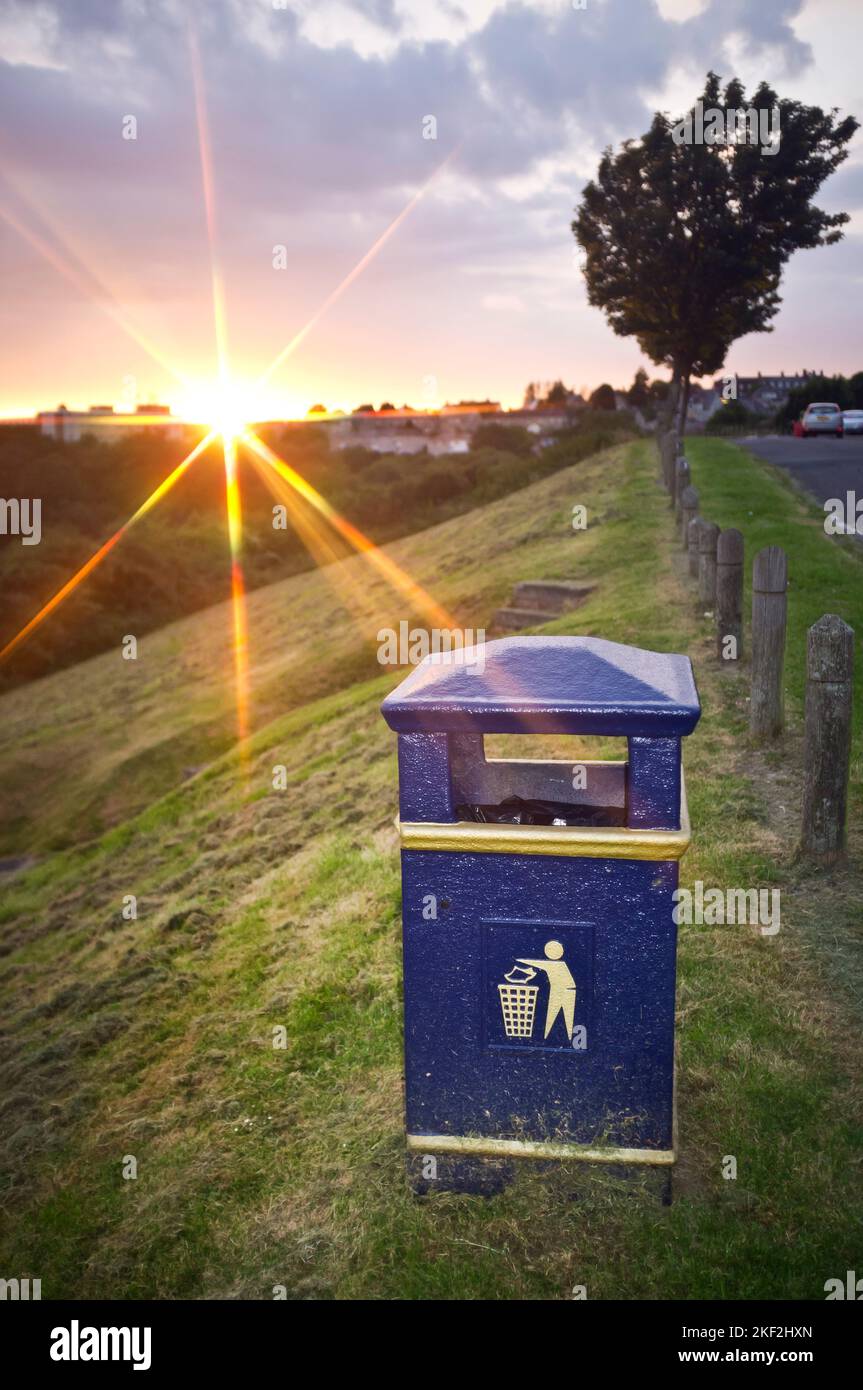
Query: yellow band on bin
584, 842
541, 1149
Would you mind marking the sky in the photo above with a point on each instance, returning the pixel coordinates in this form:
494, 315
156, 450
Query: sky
316, 116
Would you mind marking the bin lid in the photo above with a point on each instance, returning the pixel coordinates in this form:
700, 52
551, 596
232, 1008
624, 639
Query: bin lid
568, 685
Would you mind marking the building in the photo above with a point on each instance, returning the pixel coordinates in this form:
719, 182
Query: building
472, 408
448, 432
106, 424
763, 395
399, 432
703, 402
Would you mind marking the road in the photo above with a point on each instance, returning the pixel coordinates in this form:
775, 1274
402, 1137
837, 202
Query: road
824, 467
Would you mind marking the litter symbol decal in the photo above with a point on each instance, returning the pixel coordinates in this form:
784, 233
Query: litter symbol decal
518, 1003
518, 997
533, 978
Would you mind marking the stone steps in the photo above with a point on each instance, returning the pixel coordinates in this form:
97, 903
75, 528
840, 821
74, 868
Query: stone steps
514, 619
539, 601
551, 595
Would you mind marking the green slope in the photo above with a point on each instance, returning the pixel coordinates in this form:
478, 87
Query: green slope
261, 1166
86, 748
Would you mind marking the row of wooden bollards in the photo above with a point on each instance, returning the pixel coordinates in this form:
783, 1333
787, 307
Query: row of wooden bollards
716, 561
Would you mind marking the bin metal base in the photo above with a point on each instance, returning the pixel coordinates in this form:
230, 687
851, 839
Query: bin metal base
531, 1148
431, 1170
486, 1166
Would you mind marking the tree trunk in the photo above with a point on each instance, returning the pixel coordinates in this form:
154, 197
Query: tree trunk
684, 402
670, 408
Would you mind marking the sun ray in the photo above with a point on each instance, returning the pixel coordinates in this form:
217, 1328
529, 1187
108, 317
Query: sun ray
398, 578
96, 559
231, 430
228, 427
84, 280
352, 275
319, 542
238, 587
203, 128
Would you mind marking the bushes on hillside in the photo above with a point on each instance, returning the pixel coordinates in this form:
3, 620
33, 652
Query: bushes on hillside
175, 561
731, 418
846, 391
510, 439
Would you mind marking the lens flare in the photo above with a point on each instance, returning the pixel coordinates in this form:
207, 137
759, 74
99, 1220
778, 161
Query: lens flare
228, 413
96, 559
392, 573
323, 545
88, 285
352, 275
227, 408
238, 588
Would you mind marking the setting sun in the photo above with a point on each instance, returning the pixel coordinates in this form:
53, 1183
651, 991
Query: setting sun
225, 407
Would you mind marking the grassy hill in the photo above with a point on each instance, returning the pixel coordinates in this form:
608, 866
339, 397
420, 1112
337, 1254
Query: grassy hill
173, 562
258, 909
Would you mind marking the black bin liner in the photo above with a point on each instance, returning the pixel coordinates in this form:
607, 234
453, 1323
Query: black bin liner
516, 810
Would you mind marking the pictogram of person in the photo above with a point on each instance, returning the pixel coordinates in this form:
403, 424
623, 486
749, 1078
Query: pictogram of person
561, 987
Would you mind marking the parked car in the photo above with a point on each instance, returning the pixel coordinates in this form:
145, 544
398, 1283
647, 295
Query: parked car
852, 421
822, 417
797, 428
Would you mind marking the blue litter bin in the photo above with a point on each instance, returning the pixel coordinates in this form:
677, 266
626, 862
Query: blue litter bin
539, 944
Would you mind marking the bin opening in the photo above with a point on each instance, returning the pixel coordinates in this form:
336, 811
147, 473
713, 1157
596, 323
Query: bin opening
519, 810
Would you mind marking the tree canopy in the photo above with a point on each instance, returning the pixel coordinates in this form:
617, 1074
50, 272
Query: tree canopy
685, 242
603, 398
847, 392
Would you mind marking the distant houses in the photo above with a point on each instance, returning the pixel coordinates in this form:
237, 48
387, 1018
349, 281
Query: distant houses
703, 402
447, 431
763, 395
104, 423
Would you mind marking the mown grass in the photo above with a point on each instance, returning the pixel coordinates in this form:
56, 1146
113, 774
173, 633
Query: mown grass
825, 574
262, 1165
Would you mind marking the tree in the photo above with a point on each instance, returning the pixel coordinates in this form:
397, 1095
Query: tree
638, 394
317, 410
509, 439
603, 398
685, 242
730, 417
847, 394
557, 394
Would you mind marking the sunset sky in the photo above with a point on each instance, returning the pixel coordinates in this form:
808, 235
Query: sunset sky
316, 114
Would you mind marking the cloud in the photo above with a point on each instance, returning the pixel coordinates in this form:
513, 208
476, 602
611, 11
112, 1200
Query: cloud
325, 122
316, 116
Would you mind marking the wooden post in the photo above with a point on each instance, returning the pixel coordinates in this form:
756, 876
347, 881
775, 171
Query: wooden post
660, 444
669, 459
769, 603
707, 538
681, 481
694, 535
827, 739
688, 509
729, 595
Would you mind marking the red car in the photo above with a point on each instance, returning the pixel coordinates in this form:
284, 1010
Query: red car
797, 429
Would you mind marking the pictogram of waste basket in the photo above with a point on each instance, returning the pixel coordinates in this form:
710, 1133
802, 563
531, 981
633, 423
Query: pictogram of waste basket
539, 941
518, 1005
